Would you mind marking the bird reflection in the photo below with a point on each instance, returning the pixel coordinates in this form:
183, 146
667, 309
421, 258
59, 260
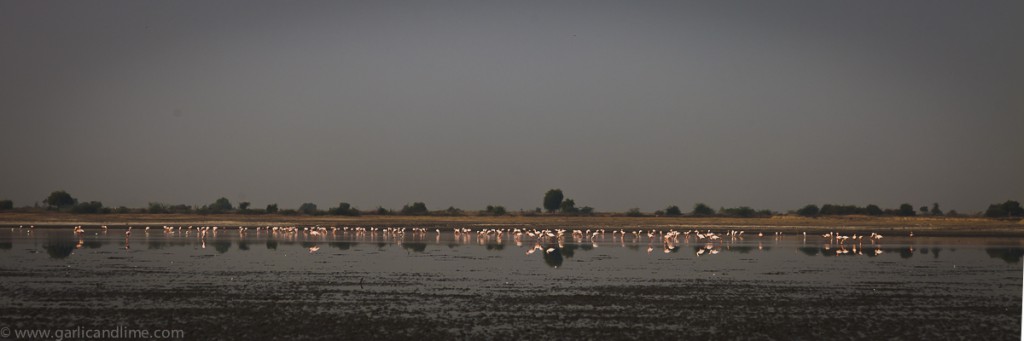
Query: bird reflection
554, 244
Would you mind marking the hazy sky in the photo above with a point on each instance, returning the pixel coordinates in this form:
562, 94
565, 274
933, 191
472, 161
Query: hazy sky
769, 104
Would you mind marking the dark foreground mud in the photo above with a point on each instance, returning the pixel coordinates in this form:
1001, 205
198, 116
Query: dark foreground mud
264, 288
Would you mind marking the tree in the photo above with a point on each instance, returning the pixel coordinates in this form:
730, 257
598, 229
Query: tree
906, 210
553, 200
308, 208
702, 210
6, 205
809, 211
587, 210
923, 209
873, 209
568, 206
345, 209
935, 209
673, 211
417, 208
634, 212
272, 208
221, 205
1009, 208
244, 206
60, 199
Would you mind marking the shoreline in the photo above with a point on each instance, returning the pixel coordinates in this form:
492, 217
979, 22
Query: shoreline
949, 226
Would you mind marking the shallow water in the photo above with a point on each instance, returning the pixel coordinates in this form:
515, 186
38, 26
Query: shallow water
429, 285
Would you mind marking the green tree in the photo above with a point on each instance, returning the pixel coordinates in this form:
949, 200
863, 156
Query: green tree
60, 199
808, 211
244, 206
6, 205
935, 209
568, 206
702, 210
673, 211
923, 209
272, 208
586, 210
553, 200
906, 210
634, 212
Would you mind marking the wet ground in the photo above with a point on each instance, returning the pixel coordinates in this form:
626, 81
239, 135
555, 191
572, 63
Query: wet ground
428, 285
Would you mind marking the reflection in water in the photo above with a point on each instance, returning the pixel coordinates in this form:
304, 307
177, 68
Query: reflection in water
5, 242
341, 245
810, 251
415, 247
555, 246
1009, 254
58, 247
221, 245
553, 257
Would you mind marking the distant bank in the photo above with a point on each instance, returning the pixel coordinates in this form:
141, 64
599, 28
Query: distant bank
922, 226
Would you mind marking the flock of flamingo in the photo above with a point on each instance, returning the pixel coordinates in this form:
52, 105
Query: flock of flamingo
547, 240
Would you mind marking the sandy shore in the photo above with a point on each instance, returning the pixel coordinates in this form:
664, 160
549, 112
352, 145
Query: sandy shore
919, 225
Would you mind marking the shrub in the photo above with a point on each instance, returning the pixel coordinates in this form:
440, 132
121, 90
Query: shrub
345, 209
495, 210
308, 208
91, 207
568, 206
809, 211
416, 208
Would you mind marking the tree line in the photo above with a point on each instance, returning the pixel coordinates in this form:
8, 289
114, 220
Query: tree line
554, 202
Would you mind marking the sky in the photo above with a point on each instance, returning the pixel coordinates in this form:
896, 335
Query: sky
620, 104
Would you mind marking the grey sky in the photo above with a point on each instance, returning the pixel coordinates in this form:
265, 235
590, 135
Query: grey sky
620, 104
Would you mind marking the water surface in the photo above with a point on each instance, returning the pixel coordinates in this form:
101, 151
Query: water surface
258, 283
